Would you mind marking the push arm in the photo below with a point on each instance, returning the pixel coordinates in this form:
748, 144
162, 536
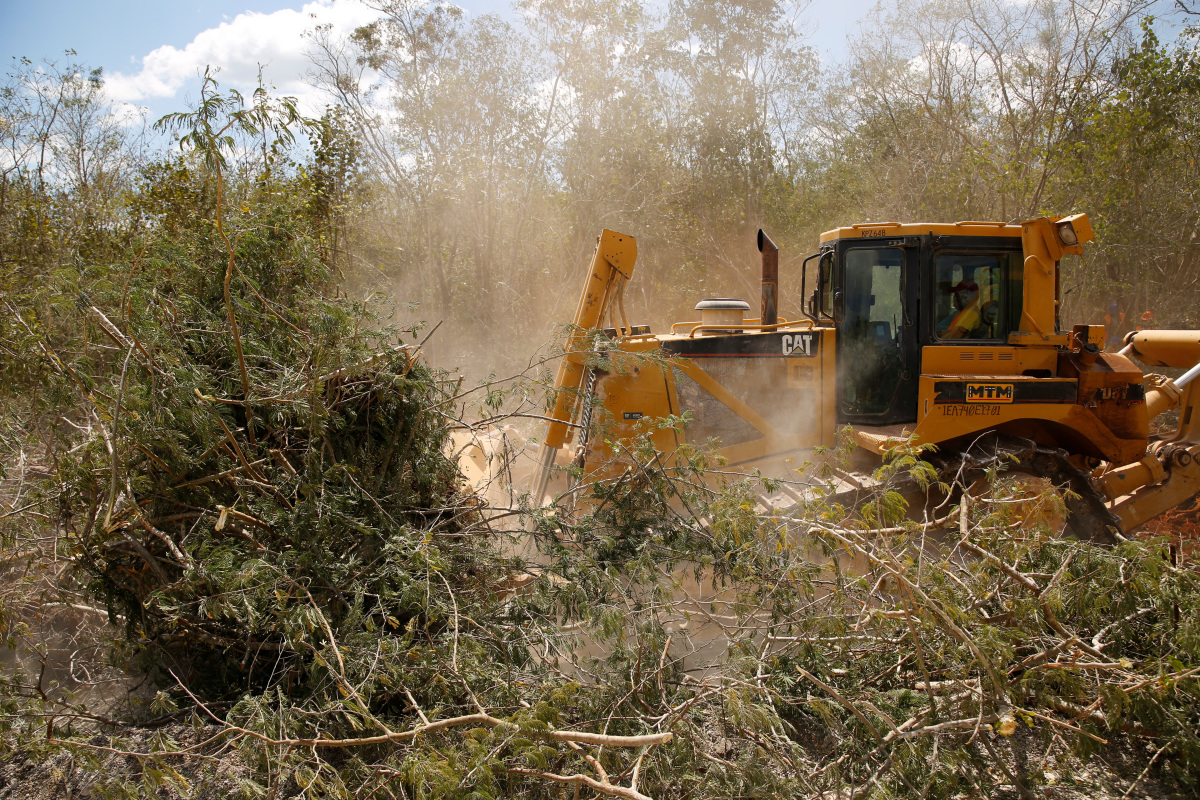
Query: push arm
612, 265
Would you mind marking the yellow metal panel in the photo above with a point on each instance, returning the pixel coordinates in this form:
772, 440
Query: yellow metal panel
810, 378
869, 230
773, 441
693, 371
619, 250
985, 360
1058, 421
1166, 348
828, 387
1091, 334
740, 454
631, 395
1039, 296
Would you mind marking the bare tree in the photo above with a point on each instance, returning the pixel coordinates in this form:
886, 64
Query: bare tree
969, 110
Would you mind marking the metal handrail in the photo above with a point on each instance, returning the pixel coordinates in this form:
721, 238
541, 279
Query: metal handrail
746, 323
807, 323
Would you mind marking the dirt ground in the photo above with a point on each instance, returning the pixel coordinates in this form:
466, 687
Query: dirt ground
1182, 527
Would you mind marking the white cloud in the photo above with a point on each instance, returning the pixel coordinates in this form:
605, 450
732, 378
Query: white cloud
276, 41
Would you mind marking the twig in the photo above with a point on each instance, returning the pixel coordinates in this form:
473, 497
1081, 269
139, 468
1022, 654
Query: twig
1016, 782
114, 463
481, 719
1059, 723
838, 696
580, 779
237, 336
417, 708
1144, 772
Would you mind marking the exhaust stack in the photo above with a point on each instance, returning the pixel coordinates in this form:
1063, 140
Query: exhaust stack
770, 278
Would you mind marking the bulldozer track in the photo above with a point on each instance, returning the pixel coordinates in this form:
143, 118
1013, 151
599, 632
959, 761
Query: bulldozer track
1088, 517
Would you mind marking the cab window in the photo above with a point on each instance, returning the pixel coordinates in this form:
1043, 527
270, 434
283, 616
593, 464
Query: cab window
976, 295
870, 343
826, 279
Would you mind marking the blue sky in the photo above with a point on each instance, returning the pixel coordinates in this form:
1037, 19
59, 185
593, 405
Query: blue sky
115, 34
118, 33
151, 51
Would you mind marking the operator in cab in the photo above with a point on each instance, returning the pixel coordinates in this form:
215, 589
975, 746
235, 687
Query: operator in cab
966, 319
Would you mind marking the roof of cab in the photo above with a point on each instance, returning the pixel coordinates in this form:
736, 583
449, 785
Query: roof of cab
878, 230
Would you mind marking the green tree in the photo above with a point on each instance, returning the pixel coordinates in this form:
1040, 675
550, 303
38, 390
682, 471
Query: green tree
952, 111
207, 132
1134, 168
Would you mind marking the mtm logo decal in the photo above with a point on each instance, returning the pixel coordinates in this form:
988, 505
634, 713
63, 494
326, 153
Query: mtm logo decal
800, 344
989, 393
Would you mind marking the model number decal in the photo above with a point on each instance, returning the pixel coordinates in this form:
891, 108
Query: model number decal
633, 415
800, 344
970, 411
989, 393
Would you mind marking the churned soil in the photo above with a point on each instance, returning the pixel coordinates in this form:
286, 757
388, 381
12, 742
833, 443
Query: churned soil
1181, 527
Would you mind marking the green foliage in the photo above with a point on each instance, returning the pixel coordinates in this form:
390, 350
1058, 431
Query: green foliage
227, 529
1134, 161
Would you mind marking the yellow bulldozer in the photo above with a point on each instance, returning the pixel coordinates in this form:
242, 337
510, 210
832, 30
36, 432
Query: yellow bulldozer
943, 334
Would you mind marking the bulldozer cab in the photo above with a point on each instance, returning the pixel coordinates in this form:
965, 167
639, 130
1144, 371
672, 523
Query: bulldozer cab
888, 296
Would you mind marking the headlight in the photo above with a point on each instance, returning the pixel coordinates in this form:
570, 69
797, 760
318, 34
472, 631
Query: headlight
1066, 234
